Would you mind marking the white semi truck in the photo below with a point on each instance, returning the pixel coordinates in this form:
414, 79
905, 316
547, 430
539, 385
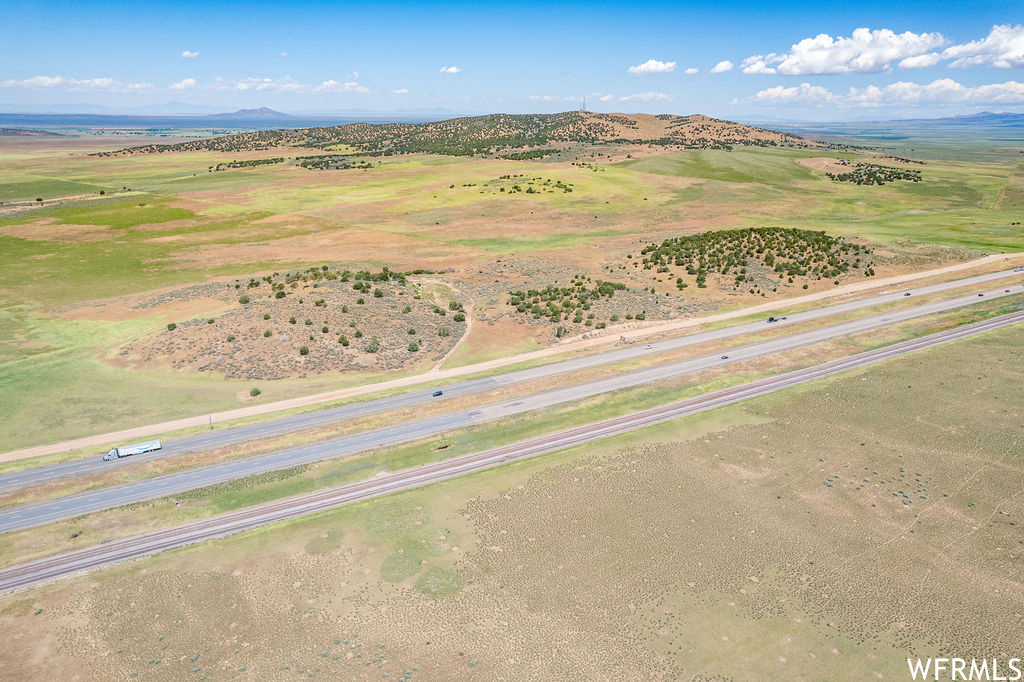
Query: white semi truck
129, 450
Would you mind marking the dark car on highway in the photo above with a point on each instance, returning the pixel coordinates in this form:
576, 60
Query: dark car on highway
437, 393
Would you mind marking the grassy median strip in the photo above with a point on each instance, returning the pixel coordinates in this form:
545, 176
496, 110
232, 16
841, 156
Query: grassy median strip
139, 517
163, 466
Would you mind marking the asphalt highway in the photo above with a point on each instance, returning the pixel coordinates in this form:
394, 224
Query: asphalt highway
26, 516
221, 438
51, 568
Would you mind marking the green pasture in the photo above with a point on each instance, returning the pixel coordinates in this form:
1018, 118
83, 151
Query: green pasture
149, 239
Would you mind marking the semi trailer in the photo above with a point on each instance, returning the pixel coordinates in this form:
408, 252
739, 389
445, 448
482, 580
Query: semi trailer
129, 450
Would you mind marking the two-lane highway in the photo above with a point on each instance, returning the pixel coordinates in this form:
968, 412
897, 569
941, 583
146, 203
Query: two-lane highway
226, 437
73, 505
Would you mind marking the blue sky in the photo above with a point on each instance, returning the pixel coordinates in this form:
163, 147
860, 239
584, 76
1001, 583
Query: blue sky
824, 61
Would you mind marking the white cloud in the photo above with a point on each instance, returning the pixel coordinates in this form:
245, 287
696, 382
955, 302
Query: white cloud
186, 84
450, 69
921, 61
759, 63
284, 54
653, 66
1003, 47
722, 66
944, 90
941, 91
36, 82
269, 85
865, 51
400, 91
289, 86
335, 86
692, 70
551, 98
805, 93
261, 85
76, 85
188, 54
646, 97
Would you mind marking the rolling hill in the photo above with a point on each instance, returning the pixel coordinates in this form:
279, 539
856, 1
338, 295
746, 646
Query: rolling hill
499, 132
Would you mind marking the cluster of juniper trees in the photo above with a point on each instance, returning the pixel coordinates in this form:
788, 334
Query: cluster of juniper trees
788, 252
874, 174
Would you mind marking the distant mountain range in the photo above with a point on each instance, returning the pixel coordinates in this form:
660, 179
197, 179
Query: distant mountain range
261, 113
261, 118
26, 132
983, 118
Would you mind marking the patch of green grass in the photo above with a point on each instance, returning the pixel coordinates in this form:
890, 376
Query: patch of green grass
120, 213
64, 390
45, 188
526, 244
439, 582
399, 566
742, 165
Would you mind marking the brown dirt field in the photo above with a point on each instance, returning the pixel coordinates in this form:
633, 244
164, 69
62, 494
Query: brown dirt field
47, 229
207, 297
119, 311
345, 245
824, 164
281, 218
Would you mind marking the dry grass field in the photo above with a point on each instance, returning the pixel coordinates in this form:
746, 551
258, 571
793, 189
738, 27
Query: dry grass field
847, 524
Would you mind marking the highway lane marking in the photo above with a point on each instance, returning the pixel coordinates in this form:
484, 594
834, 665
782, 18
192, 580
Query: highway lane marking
225, 472
782, 343
833, 367
821, 311
467, 463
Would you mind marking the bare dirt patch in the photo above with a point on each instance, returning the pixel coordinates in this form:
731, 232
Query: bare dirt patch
47, 229
824, 164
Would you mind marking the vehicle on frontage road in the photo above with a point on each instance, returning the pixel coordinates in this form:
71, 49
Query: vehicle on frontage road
129, 450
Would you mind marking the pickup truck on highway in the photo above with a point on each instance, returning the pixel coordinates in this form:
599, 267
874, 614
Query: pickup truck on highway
129, 450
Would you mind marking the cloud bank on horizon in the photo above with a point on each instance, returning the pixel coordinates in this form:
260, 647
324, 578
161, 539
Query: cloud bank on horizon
740, 69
